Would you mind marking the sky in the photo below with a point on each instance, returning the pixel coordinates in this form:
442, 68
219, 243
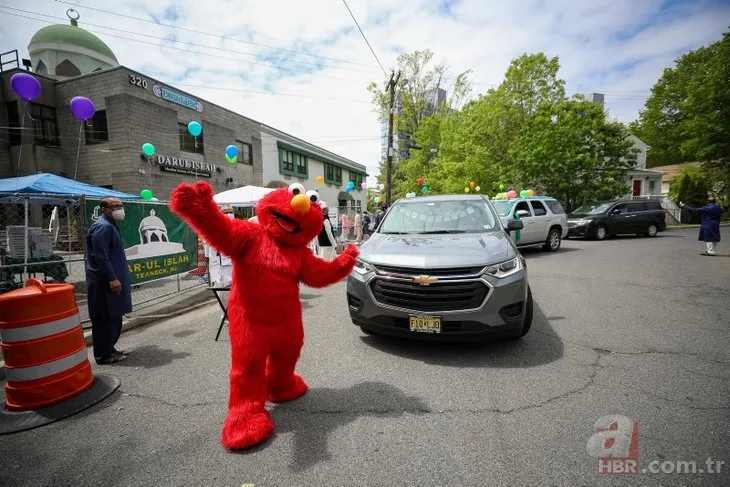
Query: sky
303, 66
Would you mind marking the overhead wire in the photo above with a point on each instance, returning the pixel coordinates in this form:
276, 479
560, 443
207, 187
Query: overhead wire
364, 37
173, 26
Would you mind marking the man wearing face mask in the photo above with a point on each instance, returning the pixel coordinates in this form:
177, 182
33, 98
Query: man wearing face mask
107, 281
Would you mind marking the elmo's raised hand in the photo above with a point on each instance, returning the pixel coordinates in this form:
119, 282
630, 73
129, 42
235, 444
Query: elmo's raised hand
187, 198
347, 259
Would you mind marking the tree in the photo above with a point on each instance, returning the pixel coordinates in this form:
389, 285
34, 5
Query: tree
687, 115
570, 151
418, 96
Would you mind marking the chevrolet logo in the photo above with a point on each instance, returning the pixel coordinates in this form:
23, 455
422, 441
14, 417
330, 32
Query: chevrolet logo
425, 280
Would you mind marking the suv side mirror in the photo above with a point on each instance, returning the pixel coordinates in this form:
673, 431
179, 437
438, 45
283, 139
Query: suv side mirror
522, 213
513, 225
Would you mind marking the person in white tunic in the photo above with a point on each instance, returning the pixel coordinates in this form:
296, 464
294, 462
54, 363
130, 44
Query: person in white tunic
327, 243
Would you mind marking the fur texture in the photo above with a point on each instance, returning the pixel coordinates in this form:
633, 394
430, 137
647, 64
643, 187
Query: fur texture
270, 259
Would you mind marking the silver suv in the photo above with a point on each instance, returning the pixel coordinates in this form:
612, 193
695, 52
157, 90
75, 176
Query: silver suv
544, 218
441, 267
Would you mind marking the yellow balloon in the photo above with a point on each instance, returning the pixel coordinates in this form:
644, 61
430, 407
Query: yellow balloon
466, 190
320, 179
477, 188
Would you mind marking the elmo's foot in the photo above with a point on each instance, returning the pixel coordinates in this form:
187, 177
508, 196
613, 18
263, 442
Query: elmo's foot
241, 432
297, 388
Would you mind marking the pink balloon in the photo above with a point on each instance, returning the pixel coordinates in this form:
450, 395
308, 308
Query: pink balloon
512, 194
364, 185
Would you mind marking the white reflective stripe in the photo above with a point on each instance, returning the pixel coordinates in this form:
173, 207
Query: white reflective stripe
44, 370
10, 335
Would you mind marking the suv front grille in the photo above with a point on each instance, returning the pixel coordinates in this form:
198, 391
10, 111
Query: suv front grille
451, 272
440, 296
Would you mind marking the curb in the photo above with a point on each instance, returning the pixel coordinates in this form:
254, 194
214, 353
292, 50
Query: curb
200, 300
680, 227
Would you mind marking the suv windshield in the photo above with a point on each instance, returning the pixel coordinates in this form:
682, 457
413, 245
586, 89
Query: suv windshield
592, 209
444, 216
502, 206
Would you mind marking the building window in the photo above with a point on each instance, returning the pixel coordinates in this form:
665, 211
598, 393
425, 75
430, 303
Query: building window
96, 130
67, 68
45, 126
651, 186
14, 133
41, 68
357, 179
332, 174
292, 163
245, 155
188, 143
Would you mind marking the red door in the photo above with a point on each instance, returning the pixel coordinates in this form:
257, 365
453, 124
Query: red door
637, 187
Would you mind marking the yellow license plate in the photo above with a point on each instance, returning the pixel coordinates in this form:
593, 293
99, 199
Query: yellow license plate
426, 324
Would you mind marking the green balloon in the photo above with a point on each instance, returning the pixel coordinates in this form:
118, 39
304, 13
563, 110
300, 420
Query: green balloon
501, 187
148, 149
524, 194
146, 194
231, 160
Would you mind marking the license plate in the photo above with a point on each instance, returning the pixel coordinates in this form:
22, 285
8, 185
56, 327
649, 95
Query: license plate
426, 324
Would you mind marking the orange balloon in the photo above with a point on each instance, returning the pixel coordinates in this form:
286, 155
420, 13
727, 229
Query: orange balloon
471, 184
320, 179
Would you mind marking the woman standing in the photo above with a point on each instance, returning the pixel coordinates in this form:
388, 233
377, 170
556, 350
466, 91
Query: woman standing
326, 239
710, 223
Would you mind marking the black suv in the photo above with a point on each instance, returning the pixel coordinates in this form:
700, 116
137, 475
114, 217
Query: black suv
639, 217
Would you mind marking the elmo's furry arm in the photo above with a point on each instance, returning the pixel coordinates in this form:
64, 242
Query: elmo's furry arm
318, 272
195, 205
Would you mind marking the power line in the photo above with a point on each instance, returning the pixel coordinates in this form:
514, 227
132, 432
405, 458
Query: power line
256, 56
209, 34
366, 39
197, 52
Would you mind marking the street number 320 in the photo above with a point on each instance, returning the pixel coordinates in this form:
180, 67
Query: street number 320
137, 81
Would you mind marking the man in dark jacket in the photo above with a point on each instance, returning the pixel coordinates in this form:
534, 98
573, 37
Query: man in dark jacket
710, 223
107, 281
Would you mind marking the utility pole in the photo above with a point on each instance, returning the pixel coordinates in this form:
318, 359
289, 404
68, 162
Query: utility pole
389, 174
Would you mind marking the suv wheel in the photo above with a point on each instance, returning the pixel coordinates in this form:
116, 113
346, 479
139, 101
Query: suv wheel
601, 233
651, 230
553, 240
527, 323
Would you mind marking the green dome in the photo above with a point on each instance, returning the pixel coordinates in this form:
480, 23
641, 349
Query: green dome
71, 34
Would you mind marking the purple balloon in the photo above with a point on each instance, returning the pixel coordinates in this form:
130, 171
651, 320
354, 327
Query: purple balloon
25, 86
82, 107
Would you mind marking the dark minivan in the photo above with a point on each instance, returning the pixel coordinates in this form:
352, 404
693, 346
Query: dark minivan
622, 217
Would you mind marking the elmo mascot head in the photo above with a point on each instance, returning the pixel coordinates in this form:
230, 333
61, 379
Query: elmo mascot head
290, 216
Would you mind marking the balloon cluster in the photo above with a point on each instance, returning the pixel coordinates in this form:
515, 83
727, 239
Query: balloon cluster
231, 154
512, 194
472, 186
424, 187
411, 195
350, 186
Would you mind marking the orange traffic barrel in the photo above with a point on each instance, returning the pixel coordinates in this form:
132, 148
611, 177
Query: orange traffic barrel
43, 346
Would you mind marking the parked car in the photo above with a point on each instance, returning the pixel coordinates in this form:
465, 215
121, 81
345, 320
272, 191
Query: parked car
544, 219
600, 220
441, 267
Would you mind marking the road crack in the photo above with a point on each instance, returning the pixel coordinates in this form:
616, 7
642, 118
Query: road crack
170, 404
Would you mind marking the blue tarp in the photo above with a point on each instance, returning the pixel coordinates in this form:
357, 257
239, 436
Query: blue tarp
50, 184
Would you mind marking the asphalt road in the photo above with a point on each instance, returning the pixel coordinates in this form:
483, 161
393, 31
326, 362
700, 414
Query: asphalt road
631, 326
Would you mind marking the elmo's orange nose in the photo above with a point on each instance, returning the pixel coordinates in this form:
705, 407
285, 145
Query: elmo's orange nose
300, 203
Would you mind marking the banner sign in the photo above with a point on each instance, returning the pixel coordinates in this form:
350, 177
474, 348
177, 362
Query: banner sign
177, 98
185, 166
157, 243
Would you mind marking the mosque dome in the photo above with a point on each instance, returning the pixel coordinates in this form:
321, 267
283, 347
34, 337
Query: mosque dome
67, 50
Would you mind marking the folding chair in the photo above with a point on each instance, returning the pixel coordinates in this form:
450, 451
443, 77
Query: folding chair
217, 290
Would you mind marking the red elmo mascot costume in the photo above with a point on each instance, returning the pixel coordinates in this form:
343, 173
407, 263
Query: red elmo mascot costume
270, 259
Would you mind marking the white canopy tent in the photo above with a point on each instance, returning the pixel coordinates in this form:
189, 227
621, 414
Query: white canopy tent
245, 196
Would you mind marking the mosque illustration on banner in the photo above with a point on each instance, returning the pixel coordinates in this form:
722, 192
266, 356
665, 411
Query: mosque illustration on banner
153, 240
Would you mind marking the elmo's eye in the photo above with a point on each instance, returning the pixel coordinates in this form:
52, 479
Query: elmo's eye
313, 196
296, 188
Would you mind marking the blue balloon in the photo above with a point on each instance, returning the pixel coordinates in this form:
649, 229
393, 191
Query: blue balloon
231, 151
195, 128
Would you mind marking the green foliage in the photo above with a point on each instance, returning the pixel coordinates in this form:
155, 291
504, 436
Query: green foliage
525, 133
687, 116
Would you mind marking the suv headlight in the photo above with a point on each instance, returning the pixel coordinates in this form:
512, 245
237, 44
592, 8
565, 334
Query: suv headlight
362, 267
583, 221
506, 269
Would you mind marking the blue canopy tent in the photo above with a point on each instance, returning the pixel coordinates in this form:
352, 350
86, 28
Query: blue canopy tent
50, 189
56, 189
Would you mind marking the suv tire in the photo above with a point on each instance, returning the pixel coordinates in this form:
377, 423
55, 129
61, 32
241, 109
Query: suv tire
527, 322
600, 233
553, 240
651, 230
